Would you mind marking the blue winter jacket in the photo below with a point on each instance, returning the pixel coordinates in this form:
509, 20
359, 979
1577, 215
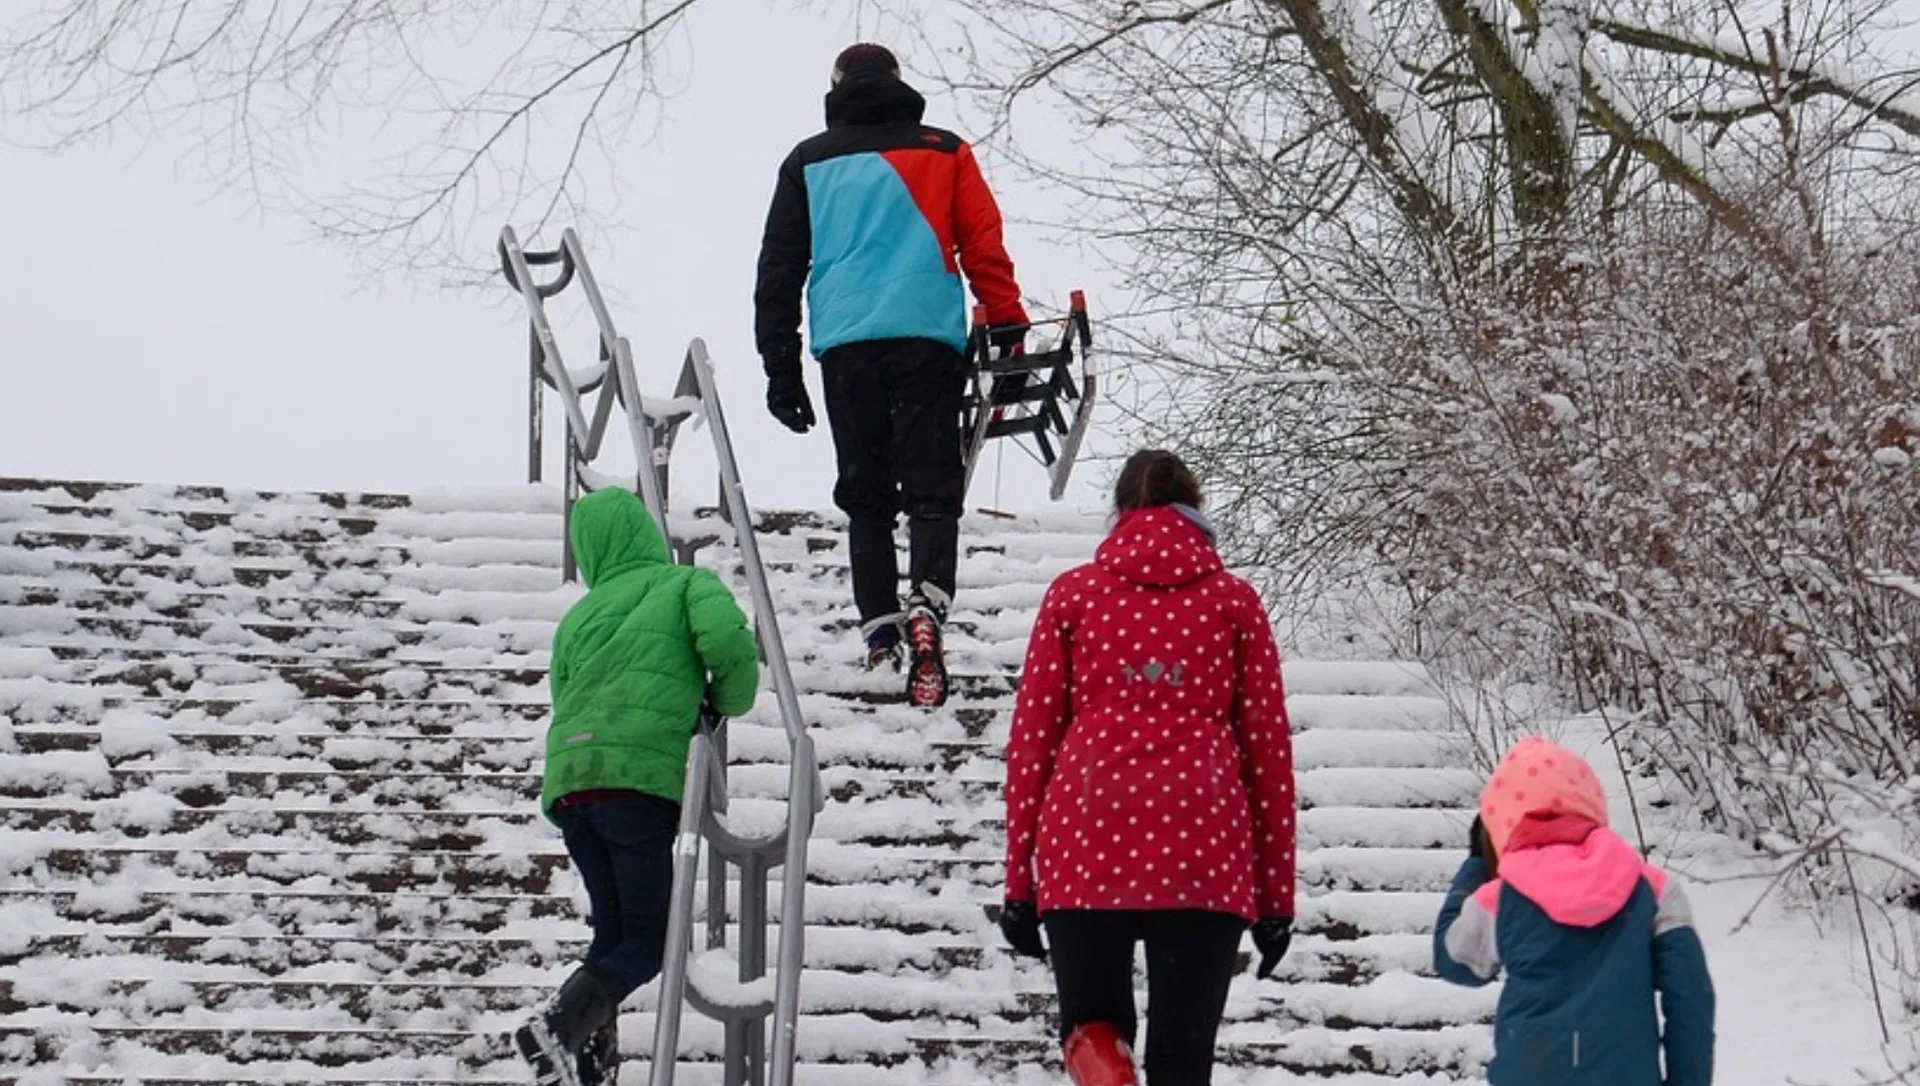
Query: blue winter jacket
1589, 936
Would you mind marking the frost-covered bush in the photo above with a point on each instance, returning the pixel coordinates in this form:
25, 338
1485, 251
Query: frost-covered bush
1686, 490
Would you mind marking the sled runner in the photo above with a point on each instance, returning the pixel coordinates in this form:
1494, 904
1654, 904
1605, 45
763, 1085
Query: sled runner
1042, 400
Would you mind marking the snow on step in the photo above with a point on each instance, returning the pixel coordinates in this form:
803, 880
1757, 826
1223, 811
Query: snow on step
1323, 747
267, 761
1347, 712
1389, 678
1369, 786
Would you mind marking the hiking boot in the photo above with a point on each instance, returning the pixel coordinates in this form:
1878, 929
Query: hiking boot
884, 648
926, 656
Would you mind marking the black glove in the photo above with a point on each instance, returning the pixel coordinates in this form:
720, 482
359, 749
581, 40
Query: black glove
1009, 339
1271, 938
1020, 926
1482, 845
787, 396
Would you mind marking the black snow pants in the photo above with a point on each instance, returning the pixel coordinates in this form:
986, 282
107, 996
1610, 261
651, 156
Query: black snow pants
1191, 955
894, 408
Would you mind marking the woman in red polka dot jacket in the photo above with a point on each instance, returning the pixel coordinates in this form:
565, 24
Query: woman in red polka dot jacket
1149, 786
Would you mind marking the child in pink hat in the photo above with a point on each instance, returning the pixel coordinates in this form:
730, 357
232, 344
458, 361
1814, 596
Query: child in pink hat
1587, 932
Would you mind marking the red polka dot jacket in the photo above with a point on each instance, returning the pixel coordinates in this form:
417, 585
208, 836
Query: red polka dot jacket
1150, 764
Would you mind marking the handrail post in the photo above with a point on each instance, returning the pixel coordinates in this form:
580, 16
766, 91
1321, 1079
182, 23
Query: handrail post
569, 497
522, 277
802, 778
536, 415
753, 963
517, 273
686, 859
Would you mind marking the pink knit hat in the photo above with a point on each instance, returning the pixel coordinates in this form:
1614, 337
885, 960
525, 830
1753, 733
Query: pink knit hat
1539, 777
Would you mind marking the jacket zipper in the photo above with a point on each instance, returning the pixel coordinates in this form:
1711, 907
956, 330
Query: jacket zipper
1576, 1048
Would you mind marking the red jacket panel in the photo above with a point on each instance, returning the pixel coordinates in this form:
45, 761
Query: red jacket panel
1150, 764
977, 236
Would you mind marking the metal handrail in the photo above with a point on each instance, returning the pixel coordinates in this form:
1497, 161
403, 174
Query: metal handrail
744, 1055
613, 378
704, 798
700, 365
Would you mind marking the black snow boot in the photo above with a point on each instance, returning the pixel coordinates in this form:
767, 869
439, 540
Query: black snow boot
600, 1059
552, 1041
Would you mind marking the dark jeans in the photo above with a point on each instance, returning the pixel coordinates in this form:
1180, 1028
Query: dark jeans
623, 849
1190, 961
894, 408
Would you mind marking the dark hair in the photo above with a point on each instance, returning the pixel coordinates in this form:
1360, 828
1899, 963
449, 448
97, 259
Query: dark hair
1154, 477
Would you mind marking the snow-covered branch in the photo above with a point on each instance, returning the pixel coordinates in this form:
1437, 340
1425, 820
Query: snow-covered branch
1898, 107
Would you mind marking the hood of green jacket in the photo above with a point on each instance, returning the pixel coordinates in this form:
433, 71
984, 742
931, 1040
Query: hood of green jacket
613, 534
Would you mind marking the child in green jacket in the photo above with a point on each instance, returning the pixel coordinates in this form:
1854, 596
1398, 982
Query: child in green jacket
633, 661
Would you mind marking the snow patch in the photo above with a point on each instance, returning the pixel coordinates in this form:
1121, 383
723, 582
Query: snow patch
127, 733
715, 974
531, 498
408, 682
146, 810
107, 899
56, 772
18, 662
1560, 407
353, 582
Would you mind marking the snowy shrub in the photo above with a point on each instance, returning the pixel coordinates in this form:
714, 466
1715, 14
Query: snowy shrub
1684, 493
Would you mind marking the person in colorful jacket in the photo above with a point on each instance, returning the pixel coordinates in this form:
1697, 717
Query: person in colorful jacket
876, 218
633, 663
1587, 932
1149, 786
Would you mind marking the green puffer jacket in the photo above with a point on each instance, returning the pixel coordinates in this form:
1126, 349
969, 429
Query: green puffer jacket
632, 659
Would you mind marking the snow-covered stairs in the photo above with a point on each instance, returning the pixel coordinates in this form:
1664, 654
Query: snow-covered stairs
267, 767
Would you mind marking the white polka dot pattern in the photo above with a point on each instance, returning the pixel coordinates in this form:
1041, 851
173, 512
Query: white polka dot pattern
1150, 763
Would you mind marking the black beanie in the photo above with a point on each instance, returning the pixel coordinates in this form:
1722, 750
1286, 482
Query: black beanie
864, 56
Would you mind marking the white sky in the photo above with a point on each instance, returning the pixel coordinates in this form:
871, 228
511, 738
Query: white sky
158, 330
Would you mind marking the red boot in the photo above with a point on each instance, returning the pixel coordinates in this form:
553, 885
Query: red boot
1098, 1056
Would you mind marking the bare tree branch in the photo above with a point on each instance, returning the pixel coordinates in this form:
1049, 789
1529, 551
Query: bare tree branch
488, 110
1807, 83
